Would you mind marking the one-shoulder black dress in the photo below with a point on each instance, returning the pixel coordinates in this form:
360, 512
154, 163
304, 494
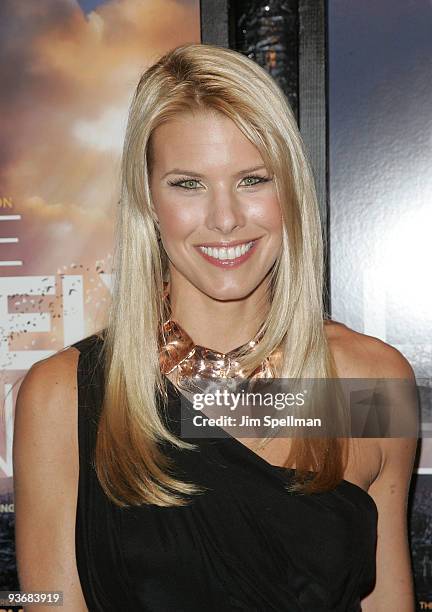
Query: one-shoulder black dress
246, 544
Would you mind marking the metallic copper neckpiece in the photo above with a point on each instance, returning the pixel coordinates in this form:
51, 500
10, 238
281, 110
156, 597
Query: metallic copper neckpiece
177, 351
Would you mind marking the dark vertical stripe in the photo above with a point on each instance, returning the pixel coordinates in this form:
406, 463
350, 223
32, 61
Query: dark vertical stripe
313, 105
214, 22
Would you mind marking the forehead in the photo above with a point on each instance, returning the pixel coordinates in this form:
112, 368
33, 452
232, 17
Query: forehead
204, 138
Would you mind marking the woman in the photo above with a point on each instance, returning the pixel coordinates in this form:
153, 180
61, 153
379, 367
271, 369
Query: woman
219, 271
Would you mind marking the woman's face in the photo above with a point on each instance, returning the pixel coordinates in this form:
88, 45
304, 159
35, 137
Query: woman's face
219, 217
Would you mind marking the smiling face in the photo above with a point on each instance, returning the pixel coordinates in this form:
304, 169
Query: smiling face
216, 203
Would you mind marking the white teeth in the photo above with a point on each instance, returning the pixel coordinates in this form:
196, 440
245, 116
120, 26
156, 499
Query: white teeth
224, 253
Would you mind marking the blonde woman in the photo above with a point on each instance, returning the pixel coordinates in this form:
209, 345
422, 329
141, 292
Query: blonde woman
218, 271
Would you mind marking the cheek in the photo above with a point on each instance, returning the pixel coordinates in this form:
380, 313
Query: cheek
268, 214
275, 219
176, 224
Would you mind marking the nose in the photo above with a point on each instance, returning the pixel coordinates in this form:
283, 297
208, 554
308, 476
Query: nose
224, 213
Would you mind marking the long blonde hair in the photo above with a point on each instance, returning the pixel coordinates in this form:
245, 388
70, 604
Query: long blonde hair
131, 467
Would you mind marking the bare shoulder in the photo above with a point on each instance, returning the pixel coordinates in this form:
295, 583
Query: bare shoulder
63, 362
46, 472
46, 410
358, 355
46, 413
48, 393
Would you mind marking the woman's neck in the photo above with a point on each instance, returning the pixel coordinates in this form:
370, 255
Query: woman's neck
217, 324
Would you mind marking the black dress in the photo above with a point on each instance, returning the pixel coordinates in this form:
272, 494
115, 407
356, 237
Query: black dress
246, 544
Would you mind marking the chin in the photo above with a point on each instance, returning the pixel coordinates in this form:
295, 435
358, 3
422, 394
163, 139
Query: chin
229, 293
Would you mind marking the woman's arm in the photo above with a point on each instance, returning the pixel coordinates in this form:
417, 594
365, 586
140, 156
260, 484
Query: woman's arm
394, 581
46, 468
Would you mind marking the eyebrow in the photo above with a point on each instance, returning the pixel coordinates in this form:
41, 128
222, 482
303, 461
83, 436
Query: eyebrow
198, 175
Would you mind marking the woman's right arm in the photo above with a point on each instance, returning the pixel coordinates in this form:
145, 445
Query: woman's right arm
46, 469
